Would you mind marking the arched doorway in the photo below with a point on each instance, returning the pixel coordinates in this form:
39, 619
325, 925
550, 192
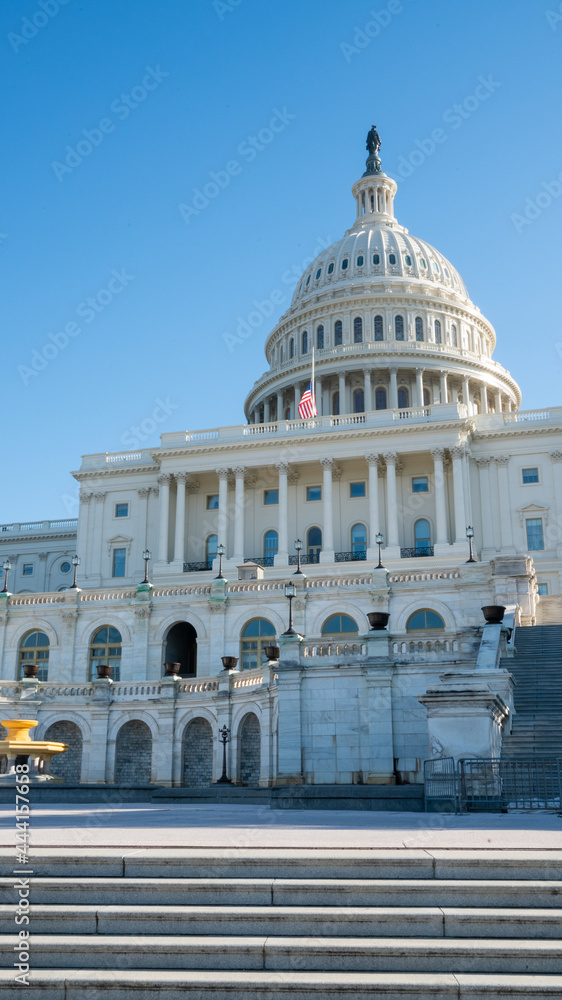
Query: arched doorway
133, 754
67, 766
250, 750
197, 757
181, 647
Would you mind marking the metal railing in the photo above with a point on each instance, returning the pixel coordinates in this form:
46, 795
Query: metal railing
486, 785
417, 550
197, 567
441, 783
261, 560
306, 560
359, 556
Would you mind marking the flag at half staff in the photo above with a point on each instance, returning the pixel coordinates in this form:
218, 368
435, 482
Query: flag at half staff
307, 405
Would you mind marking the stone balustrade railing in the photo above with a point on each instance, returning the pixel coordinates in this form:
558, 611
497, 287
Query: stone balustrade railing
65, 524
316, 649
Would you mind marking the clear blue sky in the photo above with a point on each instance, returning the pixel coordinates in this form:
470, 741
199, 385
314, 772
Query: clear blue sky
217, 74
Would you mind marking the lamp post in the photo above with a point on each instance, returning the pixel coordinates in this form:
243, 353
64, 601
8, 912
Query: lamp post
220, 552
224, 737
470, 536
6, 566
146, 556
290, 593
75, 562
379, 539
298, 546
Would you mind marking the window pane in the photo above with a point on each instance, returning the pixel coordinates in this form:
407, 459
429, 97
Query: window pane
420, 484
358, 538
344, 264
403, 399
320, 338
360, 261
213, 501
399, 327
270, 543
437, 331
534, 534
425, 620
121, 510
119, 562
28, 569
422, 533
357, 330
313, 492
419, 328
338, 332
376, 258
271, 497
359, 401
305, 342
357, 490
378, 328
543, 589
530, 475
339, 624
380, 399
211, 547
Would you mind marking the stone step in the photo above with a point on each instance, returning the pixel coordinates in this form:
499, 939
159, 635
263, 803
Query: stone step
128, 892
62, 984
286, 954
289, 863
290, 921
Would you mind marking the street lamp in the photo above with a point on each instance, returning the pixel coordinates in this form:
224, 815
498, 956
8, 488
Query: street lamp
146, 556
75, 562
290, 593
221, 549
6, 567
224, 738
470, 536
298, 546
379, 539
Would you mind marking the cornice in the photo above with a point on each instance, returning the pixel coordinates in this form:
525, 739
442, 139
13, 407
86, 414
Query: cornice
83, 474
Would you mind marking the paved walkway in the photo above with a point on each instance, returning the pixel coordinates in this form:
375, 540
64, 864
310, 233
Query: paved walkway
172, 825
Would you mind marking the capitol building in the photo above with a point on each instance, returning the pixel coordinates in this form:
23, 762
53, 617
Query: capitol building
213, 543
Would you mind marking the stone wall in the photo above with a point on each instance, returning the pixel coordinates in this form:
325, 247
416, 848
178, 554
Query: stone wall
68, 765
133, 754
198, 754
250, 750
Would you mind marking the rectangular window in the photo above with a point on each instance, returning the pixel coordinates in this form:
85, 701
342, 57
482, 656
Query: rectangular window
121, 510
542, 589
27, 569
530, 476
535, 539
313, 492
357, 490
420, 484
270, 497
119, 562
213, 501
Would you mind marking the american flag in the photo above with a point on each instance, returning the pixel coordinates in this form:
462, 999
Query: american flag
307, 405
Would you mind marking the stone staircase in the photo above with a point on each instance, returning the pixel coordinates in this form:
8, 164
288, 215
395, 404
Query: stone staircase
269, 924
537, 669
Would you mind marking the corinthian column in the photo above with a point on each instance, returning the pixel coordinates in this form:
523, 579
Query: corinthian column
222, 511
392, 540
164, 484
327, 551
179, 542
239, 513
440, 505
374, 523
282, 557
506, 527
457, 454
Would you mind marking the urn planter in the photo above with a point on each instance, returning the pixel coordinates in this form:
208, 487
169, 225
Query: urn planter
493, 613
172, 669
378, 620
272, 652
30, 669
230, 662
104, 669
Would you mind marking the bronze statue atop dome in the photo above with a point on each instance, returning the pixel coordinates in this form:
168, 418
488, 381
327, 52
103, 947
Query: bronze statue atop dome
373, 146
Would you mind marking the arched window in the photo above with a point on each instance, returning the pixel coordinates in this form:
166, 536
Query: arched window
291, 348
320, 338
257, 634
344, 264
181, 647
358, 401
399, 327
34, 648
359, 541
437, 331
419, 328
422, 537
425, 621
357, 330
380, 398
376, 258
379, 335
403, 398
340, 625
338, 332
270, 546
426, 399
304, 342
454, 340
330, 268
360, 261
336, 404
392, 258
313, 544
211, 548
105, 648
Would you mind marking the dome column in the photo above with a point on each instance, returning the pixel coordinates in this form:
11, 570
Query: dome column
458, 456
444, 393
341, 391
393, 388
368, 392
327, 554
266, 411
392, 548
280, 405
483, 398
297, 400
374, 516
498, 399
440, 505
419, 385
465, 391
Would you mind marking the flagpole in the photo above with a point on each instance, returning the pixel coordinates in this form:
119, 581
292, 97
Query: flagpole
313, 385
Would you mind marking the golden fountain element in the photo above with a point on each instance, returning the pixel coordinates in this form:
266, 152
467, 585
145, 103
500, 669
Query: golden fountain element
38, 753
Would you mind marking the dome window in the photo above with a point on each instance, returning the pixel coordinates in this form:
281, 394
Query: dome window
446, 272
291, 348
359, 401
308, 281
360, 261
304, 343
454, 340
408, 260
344, 264
378, 328
423, 262
330, 268
403, 398
419, 328
392, 258
437, 331
380, 398
435, 268
376, 258
399, 327
357, 330
320, 338
338, 333
318, 273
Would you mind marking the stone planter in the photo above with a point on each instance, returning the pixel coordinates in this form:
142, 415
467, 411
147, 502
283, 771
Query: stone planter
230, 662
30, 669
172, 669
493, 613
378, 620
104, 669
272, 652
